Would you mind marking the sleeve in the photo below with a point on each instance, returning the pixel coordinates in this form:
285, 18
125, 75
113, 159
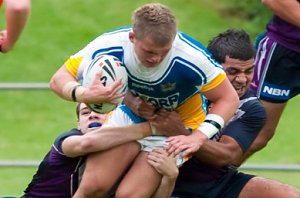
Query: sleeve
215, 82
245, 128
72, 65
59, 140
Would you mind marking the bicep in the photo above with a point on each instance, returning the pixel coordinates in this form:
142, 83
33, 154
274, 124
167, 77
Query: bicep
224, 100
217, 92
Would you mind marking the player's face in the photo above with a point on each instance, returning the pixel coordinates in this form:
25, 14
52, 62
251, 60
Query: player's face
240, 73
89, 120
149, 53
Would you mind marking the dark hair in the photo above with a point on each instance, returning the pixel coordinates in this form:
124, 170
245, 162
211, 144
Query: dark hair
233, 43
78, 110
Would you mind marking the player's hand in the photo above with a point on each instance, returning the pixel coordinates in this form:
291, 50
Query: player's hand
185, 144
168, 123
96, 92
139, 106
163, 163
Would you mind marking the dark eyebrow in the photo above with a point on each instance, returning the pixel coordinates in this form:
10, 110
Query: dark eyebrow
234, 68
84, 108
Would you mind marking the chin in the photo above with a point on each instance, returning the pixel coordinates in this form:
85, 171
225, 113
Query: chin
240, 92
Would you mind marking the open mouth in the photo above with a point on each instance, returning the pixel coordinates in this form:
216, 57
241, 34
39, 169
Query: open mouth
95, 125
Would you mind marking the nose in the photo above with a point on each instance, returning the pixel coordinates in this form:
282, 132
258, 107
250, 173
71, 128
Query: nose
241, 78
155, 59
93, 115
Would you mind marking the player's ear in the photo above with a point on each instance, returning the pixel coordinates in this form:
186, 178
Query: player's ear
131, 36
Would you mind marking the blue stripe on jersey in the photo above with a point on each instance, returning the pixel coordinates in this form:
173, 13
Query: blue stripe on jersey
135, 119
198, 46
176, 85
117, 51
178, 63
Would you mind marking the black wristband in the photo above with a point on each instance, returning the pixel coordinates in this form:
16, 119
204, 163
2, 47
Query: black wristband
74, 93
217, 125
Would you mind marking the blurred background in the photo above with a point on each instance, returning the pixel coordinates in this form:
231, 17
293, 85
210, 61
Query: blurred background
31, 119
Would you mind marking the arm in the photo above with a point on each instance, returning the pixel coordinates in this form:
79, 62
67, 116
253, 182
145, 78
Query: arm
63, 84
104, 138
215, 153
224, 107
219, 153
165, 165
17, 13
288, 10
237, 137
225, 100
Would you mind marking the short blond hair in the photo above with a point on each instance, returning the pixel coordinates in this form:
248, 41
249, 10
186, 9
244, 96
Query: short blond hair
156, 21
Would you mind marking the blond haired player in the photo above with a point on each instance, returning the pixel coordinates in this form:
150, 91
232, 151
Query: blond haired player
165, 67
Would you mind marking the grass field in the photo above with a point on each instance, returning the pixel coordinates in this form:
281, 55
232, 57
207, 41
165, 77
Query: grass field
31, 119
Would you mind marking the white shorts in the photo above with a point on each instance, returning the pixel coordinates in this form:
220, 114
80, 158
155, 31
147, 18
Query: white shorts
157, 142
123, 116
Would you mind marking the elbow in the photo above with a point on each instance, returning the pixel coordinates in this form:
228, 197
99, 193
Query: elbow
23, 6
53, 85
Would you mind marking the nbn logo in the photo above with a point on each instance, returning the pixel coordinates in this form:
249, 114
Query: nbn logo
276, 92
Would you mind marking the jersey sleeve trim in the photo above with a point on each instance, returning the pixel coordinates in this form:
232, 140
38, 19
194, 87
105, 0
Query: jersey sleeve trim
215, 82
72, 65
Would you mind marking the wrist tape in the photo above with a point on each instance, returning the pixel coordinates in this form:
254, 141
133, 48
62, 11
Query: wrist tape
211, 125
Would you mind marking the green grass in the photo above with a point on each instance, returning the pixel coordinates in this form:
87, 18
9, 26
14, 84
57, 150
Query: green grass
30, 120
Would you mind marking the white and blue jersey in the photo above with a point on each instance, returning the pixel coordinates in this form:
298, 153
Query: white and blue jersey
175, 83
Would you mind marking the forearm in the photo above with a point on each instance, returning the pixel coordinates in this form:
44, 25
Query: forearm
62, 83
213, 153
165, 188
17, 14
104, 138
219, 153
110, 137
289, 10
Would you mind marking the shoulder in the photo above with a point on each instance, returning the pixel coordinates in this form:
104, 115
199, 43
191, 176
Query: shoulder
58, 141
192, 53
252, 105
185, 45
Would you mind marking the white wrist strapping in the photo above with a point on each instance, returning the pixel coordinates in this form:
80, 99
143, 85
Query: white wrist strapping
69, 89
211, 125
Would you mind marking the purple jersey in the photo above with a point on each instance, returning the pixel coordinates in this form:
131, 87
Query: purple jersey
284, 33
57, 175
197, 178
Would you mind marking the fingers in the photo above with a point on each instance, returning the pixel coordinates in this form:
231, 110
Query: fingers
156, 156
97, 79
